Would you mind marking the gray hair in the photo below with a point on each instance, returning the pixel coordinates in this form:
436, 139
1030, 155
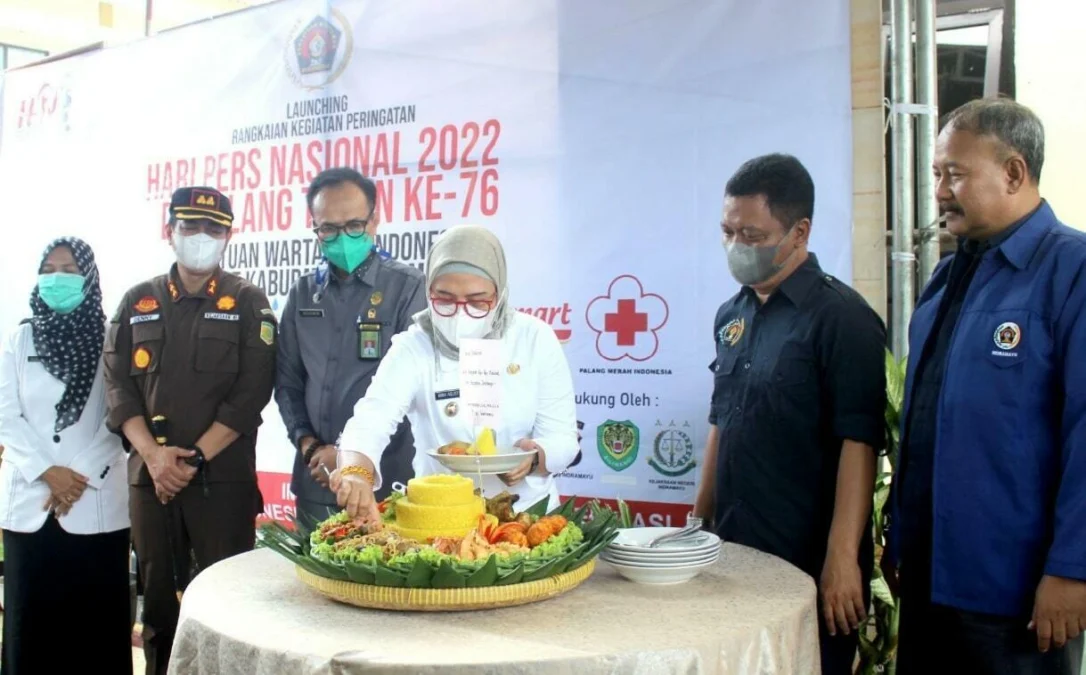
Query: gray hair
1013, 124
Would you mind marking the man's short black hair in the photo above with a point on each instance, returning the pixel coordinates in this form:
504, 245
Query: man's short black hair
1014, 125
783, 180
338, 176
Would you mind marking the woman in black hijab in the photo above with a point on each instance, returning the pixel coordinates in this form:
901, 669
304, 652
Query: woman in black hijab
63, 493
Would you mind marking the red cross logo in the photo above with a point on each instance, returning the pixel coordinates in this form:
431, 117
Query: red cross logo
626, 320
626, 323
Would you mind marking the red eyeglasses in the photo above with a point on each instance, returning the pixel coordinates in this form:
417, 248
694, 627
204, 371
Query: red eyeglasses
476, 309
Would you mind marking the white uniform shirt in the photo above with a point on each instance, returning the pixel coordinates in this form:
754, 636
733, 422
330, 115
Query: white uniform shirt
537, 403
28, 399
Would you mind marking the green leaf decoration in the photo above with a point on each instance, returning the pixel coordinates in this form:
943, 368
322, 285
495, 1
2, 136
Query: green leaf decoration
565, 509
539, 509
625, 519
421, 574
331, 570
543, 572
568, 560
486, 575
514, 577
387, 577
361, 574
447, 577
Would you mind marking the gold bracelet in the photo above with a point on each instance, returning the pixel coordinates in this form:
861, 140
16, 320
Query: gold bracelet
355, 469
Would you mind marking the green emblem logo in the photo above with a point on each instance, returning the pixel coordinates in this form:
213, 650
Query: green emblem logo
618, 442
672, 453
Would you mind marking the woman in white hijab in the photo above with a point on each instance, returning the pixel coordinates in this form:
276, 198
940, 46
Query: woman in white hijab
420, 378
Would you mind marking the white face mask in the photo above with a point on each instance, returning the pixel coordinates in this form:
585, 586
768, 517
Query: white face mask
460, 326
199, 252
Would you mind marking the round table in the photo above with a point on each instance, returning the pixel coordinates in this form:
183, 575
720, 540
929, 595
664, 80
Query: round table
752, 613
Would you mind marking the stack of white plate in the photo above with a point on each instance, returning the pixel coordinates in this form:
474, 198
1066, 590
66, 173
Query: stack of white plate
672, 562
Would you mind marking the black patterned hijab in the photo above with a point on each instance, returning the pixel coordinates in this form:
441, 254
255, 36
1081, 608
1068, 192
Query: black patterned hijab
70, 345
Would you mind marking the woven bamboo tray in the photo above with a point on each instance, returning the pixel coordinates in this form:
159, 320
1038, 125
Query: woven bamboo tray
445, 599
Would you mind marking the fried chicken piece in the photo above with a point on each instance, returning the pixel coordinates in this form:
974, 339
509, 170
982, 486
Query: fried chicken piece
544, 529
515, 537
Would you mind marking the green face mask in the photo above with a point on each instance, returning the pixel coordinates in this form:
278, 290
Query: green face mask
347, 252
61, 292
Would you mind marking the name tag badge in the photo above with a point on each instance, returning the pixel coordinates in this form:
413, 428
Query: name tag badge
369, 341
447, 394
221, 316
311, 313
143, 318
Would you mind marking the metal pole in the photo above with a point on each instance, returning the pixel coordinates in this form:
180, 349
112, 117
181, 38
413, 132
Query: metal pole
926, 127
902, 256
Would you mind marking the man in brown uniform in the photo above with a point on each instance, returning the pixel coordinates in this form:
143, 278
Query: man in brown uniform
190, 355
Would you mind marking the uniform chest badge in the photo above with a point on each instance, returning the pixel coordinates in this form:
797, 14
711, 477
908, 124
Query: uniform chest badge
1007, 335
146, 304
732, 331
376, 298
371, 314
226, 303
142, 358
451, 408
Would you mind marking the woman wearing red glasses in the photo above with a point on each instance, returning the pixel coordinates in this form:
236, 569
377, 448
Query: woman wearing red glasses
420, 378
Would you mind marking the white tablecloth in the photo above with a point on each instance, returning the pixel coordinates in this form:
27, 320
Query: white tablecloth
751, 614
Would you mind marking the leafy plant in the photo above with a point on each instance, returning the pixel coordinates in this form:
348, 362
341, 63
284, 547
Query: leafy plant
878, 637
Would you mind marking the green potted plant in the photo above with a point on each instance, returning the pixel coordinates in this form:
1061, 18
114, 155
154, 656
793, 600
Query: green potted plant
878, 639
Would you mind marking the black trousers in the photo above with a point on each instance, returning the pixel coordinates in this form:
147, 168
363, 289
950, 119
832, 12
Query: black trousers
66, 602
194, 531
934, 639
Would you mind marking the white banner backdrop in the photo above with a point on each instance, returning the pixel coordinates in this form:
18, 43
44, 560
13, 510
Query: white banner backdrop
593, 138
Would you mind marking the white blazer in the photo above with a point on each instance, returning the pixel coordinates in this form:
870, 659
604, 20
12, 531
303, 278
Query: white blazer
537, 403
28, 398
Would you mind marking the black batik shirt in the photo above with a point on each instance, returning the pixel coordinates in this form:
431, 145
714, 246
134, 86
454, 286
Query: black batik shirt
793, 379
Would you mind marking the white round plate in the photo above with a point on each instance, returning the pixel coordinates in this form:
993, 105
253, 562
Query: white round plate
660, 576
483, 464
636, 539
661, 565
661, 561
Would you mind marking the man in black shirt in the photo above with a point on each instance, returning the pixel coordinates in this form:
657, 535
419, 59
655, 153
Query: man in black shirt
798, 406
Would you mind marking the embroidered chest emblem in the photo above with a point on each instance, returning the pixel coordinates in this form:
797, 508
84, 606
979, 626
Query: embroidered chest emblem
732, 332
1007, 335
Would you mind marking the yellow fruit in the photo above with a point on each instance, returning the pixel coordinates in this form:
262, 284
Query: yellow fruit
485, 443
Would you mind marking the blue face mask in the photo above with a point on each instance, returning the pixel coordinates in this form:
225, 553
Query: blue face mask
61, 292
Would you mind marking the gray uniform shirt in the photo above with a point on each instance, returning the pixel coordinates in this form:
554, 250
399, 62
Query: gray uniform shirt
327, 359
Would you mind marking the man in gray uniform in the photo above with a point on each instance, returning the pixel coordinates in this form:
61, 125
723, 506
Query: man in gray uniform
336, 327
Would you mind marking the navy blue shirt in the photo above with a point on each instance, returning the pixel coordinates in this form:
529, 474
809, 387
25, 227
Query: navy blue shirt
1009, 464
793, 378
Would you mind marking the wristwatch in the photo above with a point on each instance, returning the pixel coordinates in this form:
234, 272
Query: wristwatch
198, 460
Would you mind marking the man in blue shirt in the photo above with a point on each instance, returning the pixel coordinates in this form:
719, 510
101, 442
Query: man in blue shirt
988, 528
